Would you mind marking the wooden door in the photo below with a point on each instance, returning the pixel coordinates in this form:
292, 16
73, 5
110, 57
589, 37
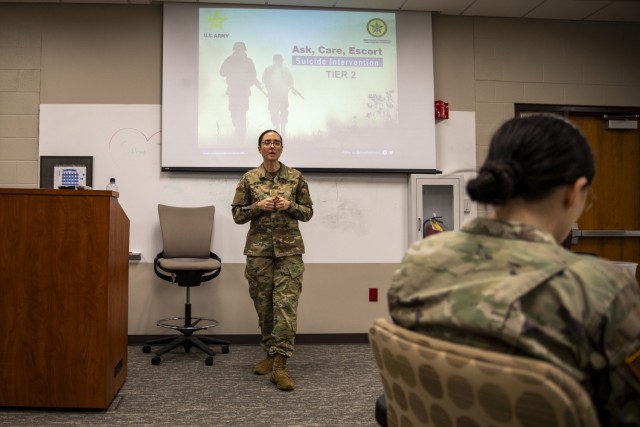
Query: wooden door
617, 191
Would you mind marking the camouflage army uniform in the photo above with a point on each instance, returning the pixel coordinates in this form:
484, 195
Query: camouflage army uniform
274, 249
510, 288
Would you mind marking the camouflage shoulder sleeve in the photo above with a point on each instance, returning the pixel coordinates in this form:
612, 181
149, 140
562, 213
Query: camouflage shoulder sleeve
302, 207
243, 208
613, 308
622, 348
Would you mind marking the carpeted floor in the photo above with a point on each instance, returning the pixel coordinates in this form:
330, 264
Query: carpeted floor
337, 385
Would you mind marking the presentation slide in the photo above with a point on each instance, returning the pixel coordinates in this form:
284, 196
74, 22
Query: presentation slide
347, 90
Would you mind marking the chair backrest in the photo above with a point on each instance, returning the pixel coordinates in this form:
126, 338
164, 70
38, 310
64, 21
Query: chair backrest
186, 232
433, 382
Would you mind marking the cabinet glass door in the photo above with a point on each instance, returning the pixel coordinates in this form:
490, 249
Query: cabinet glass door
436, 205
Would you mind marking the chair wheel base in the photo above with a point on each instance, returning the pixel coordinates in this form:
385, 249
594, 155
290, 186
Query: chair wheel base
187, 343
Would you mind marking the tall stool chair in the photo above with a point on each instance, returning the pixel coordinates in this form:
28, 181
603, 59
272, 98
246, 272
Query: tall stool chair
186, 260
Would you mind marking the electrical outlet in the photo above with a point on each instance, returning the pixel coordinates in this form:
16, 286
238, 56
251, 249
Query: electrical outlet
373, 294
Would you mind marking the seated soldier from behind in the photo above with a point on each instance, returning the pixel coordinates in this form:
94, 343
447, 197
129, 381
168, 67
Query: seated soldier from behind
506, 284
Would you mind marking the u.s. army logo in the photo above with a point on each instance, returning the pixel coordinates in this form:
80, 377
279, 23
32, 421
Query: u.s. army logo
216, 21
377, 27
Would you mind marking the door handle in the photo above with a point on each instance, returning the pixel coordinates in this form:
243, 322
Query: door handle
576, 233
606, 233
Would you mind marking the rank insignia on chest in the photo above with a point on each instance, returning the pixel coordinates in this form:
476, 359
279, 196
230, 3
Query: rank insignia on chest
633, 361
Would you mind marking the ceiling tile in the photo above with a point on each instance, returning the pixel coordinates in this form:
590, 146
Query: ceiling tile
618, 11
249, 2
370, 4
446, 7
567, 9
305, 3
591, 10
97, 1
504, 8
29, 1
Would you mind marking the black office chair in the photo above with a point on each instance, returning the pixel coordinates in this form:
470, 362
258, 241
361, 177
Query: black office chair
186, 260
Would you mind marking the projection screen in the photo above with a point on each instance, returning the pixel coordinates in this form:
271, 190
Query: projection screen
348, 90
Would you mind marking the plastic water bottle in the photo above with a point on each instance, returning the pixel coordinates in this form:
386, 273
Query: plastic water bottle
112, 185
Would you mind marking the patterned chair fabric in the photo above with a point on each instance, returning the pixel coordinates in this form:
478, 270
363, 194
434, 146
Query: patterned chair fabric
430, 382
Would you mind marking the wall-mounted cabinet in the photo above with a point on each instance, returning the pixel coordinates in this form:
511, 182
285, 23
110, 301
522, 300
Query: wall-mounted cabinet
434, 196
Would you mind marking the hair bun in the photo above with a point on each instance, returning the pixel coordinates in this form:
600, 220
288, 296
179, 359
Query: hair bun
496, 182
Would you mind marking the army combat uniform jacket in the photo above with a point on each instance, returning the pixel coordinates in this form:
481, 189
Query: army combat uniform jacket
272, 233
511, 288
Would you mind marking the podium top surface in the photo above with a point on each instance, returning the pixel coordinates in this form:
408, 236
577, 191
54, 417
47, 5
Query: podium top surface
53, 192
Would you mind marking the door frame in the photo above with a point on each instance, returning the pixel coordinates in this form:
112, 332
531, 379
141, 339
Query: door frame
582, 110
579, 110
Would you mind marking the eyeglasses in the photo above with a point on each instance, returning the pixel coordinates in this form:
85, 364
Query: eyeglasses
591, 199
267, 143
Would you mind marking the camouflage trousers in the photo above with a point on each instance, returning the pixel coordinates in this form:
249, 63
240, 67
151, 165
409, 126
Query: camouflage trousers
275, 285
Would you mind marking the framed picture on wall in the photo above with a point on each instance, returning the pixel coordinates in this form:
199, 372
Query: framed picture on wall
66, 171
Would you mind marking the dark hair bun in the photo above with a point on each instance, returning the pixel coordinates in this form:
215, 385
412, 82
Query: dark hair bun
496, 182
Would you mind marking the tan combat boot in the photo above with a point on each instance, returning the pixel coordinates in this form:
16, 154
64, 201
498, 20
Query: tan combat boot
264, 366
279, 376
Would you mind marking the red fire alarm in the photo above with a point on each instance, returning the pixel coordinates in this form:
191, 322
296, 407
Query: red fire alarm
442, 110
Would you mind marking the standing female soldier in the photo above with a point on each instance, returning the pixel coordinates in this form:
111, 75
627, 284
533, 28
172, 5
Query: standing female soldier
274, 198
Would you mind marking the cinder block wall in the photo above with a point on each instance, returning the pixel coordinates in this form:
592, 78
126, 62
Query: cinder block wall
551, 62
487, 65
481, 64
20, 53
55, 54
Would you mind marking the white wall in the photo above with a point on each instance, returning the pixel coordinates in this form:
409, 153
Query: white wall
482, 66
357, 236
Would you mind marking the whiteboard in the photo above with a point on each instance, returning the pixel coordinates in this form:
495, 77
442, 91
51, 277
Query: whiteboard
358, 218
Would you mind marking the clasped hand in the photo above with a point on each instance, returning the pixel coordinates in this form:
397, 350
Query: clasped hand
275, 203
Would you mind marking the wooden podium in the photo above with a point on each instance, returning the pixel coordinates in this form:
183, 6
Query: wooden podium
64, 275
